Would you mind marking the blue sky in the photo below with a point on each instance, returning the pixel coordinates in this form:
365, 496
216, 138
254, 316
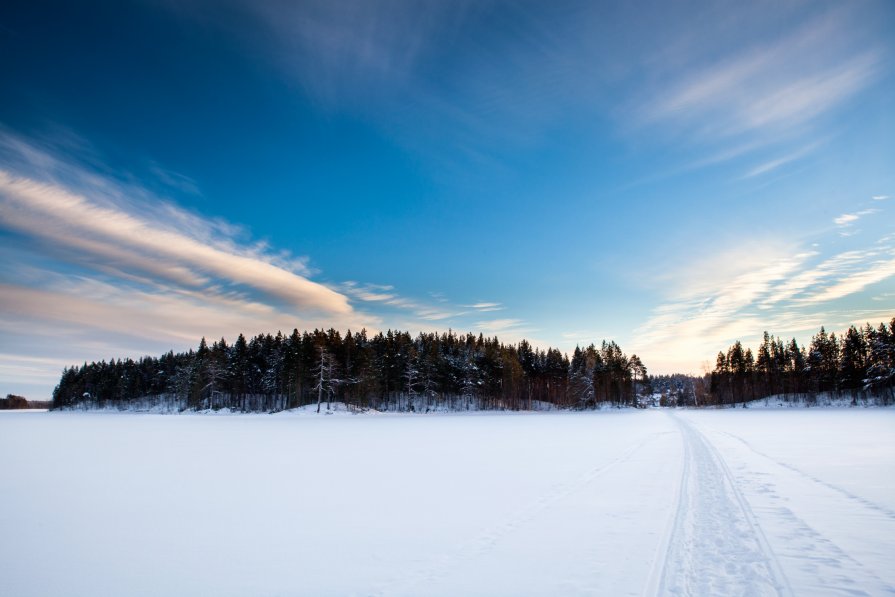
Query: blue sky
673, 176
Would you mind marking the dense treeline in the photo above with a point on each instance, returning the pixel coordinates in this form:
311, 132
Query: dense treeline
861, 360
390, 371
16, 402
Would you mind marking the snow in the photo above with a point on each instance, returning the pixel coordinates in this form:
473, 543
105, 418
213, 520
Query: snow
620, 502
821, 400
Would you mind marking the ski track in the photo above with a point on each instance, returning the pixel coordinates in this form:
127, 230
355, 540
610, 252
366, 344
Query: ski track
655, 584
713, 543
716, 546
851, 496
830, 569
740, 522
489, 538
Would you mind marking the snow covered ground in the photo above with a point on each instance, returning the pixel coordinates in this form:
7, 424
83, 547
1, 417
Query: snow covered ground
724, 502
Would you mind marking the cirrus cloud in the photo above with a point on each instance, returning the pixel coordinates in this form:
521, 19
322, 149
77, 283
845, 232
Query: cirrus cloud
129, 241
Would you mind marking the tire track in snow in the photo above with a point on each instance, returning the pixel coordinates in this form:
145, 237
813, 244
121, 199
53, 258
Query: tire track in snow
486, 540
716, 546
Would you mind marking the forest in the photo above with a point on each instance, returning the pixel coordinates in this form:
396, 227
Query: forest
394, 371
862, 360
390, 371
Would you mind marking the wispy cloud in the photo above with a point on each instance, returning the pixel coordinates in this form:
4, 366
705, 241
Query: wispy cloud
880, 197
68, 320
500, 326
418, 314
174, 180
101, 265
873, 268
485, 307
26, 370
784, 291
753, 84
811, 96
127, 240
373, 293
851, 218
776, 163
773, 85
336, 49
700, 72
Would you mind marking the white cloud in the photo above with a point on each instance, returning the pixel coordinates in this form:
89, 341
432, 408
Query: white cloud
18, 369
845, 219
849, 219
770, 91
127, 240
880, 197
435, 315
103, 269
499, 326
781, 161
442, 311
809, 96
870, 273
782, 291
70, 320
484, 307
699, 70
372, 293
374, 297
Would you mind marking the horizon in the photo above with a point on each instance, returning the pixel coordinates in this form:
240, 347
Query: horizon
671, 178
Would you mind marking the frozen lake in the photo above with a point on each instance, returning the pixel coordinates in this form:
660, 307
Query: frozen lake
757, 502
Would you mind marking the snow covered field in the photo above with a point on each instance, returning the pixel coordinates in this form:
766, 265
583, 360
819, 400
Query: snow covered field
732, 502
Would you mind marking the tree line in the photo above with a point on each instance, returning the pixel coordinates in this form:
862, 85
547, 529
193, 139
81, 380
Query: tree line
387, 371
861, 360
16, 402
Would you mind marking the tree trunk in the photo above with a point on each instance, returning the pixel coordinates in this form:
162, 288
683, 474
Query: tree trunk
320, 390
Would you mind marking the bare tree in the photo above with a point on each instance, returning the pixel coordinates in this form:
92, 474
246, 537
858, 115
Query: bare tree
412, 381
323, 373
327, 379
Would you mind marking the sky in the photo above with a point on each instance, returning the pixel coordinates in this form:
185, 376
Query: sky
673, 176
